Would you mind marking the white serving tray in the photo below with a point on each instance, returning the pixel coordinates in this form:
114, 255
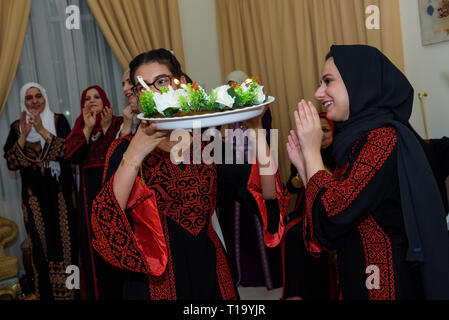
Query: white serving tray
208, 119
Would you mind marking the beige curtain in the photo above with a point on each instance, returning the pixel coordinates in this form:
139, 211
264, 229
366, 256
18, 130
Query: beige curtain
135, 26
14, 19
284, 43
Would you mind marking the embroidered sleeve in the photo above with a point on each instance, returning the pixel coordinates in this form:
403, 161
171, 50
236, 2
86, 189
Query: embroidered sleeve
339, 203
113, 237
14, 155
140, 247
272, 212
148, 227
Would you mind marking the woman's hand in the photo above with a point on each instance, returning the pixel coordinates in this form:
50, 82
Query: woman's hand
25, 129
255, 123
89, 119
36, 121
308, 128
146, 139
310, 135
295, 154
128, 115
106, 118
89, 122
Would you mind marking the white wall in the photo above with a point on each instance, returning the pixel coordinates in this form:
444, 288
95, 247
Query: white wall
199, 34
427, 68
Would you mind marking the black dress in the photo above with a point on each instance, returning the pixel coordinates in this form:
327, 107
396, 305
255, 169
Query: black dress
305, 276
48, 207
90, 156
183, 198
357, 211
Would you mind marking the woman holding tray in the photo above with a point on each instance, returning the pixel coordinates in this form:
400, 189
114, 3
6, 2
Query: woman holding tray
152, 218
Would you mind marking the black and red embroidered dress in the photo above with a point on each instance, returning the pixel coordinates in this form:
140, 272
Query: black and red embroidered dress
90, 156
357, 213
165, 239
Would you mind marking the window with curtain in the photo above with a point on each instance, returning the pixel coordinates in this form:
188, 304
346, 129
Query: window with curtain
64, 62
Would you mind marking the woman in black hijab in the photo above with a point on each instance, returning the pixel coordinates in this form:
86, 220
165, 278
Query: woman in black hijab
381, 209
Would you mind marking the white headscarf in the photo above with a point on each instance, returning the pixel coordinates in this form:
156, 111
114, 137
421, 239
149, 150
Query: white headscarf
48, 122
237, 76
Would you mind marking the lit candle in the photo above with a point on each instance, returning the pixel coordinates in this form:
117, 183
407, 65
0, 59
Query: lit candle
140, 79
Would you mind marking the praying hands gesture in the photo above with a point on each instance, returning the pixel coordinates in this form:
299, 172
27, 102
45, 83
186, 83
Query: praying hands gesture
25, 127
304, 145
36, 121
295, 154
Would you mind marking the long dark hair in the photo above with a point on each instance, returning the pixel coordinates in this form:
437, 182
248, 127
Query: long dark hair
161, 56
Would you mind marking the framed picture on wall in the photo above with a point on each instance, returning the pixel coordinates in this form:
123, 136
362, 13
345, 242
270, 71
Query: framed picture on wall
434, 18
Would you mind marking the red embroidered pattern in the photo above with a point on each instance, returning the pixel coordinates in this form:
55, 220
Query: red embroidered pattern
378, 252
223, 272
341, 193
187, 196
311, 243
113, 237
163, 287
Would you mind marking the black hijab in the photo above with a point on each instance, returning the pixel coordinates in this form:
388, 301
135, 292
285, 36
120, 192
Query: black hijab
380, 95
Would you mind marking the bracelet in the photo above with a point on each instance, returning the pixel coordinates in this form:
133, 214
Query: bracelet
129, 163
297, 181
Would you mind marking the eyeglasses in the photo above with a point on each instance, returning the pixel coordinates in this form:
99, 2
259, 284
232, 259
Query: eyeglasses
162, 81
